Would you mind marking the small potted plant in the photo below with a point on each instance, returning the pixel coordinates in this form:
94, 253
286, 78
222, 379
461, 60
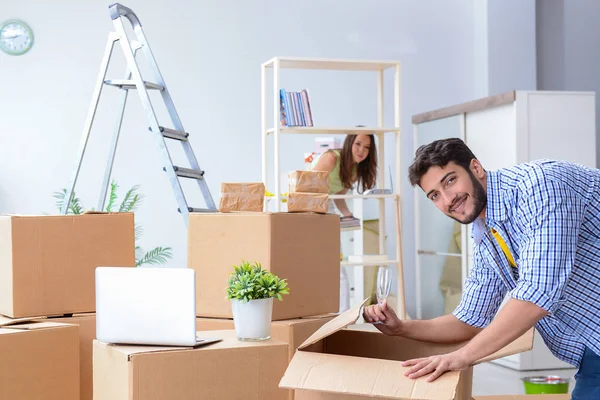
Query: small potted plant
251, 290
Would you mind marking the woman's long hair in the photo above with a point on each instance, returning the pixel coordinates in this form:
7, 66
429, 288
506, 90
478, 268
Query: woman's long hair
367, 169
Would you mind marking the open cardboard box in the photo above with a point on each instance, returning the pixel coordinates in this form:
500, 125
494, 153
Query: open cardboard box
338, 362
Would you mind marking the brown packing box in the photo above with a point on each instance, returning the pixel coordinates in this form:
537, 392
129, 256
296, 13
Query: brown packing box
525, 397
309, 181
308, 202
47, 263
242, 196
39, 360
327, 364
230, 370
302, 248
87, 334
292, 331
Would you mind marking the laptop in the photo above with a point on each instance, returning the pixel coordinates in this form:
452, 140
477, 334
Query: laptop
147, 306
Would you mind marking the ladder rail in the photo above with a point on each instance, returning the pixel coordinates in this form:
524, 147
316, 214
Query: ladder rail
175, 119
154, 125
115, 140
112, 38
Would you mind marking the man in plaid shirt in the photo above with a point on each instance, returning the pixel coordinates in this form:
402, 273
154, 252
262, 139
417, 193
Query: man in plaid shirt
536, 232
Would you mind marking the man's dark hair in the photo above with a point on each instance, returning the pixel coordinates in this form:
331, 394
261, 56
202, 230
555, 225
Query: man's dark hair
439, 153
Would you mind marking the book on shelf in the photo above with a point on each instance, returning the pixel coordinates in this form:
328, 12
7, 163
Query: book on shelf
294, 108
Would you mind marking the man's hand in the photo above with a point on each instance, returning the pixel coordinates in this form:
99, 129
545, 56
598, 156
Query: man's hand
390, 323
436, 364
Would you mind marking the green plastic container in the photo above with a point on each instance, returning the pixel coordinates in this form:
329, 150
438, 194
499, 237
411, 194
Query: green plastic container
545, 385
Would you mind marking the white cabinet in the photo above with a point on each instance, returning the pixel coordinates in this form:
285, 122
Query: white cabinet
501, 130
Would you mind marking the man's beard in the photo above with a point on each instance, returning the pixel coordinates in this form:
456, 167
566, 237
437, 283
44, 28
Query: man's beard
479, 201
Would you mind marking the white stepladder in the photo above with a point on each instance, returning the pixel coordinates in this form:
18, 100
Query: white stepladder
133, 80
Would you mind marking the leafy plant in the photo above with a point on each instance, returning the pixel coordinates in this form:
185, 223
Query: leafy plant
251, 282
130, 203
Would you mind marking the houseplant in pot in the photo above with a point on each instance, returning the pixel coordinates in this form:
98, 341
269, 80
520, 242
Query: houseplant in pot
251, 290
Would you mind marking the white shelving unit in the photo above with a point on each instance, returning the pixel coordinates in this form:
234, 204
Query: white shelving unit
276, 65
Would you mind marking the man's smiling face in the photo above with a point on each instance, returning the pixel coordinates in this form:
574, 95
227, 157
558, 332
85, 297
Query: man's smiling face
457, 192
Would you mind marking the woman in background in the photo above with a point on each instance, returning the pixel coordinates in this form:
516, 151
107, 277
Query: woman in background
355, 163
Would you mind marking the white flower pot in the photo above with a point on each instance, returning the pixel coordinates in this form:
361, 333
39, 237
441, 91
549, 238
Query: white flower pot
252, 319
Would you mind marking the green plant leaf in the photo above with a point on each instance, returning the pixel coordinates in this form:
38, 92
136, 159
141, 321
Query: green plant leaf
252, 282
158, 255
75, 207
112, 198
131, 200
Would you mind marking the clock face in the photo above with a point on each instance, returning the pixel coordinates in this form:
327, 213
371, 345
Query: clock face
16, 37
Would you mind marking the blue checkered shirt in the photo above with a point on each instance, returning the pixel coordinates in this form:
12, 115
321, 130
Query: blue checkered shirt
548, 213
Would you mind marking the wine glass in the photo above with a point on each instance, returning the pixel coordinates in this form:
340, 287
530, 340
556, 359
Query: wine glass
384, 284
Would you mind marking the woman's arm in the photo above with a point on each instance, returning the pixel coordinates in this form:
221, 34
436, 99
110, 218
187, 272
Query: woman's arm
341, 204
326, 162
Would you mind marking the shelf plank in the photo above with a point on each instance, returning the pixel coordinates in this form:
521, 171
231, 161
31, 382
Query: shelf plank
362, 196
333, 130
338, 64
368, 264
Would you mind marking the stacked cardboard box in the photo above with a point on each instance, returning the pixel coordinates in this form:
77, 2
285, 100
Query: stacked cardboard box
302, 248
47, 298
308, 191
230, 369
242, 196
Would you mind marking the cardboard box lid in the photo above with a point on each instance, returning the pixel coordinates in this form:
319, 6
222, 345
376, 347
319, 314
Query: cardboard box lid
378, 377
229, 341
7, 321
11, 215
33, 326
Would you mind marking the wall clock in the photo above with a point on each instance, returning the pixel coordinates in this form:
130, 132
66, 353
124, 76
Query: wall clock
16, 37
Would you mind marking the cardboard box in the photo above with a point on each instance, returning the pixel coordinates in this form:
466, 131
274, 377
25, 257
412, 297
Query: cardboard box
309, 181
292, 331
47, 263
327, 364
39, 361
525, 397
230, 370
242, 197
302, 248
308, 202
87, 334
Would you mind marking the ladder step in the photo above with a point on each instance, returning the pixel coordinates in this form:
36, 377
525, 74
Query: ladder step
130, 84
173, 134
204, 210
188, 173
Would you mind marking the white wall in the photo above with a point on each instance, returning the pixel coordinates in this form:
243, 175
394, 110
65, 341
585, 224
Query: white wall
209, 54
568, 43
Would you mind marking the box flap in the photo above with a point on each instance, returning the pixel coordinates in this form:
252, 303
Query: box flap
378, 378
6, 321
348, 317
36, 325
521, 344
227, 340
